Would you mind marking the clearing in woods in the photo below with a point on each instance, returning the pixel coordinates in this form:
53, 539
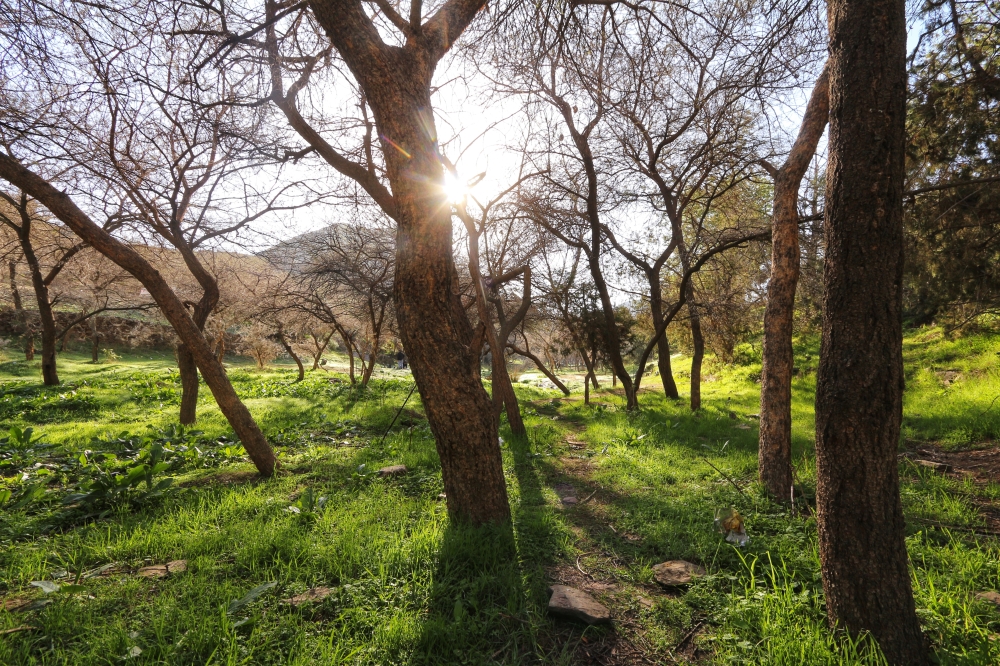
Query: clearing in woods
331, 563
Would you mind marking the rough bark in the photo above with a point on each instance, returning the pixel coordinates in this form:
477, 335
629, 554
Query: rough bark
60, 205
775, 452
860, 380
188, 370
435, 330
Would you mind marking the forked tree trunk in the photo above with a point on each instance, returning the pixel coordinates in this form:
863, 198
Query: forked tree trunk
775, 452
436, 332
60, 205
859, 387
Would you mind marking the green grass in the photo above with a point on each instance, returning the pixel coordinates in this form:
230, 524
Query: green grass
409, 587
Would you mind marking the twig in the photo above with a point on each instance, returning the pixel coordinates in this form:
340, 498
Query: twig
581, 568
691, 632
398, 412
589, 496
991, 405
727, 478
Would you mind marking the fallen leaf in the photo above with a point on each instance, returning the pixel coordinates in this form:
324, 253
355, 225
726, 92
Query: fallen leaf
309, 596
163, 570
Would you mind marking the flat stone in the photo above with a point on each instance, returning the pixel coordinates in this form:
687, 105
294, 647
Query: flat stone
569, 500
163, 570
393, 470
991, 596
578, 605
936, 466
309, 596
676, 573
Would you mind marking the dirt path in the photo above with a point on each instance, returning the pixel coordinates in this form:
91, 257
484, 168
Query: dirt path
602, 571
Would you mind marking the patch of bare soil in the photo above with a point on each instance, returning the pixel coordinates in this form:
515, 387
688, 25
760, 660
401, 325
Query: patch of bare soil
981, 465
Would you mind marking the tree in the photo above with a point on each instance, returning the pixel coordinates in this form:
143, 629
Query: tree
21, 215
54, 119
859, 386
775, 452
391, 61
506, 259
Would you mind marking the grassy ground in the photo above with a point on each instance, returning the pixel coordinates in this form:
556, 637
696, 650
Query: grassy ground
408, 587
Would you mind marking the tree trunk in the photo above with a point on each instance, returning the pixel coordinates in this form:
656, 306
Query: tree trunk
349, 346
666, 372
433, 325
29, 347
435, 330
503, 393
775, 452
586, 389
60, 205
220, 347
698, 342
859, 386
189, 385
14, 292
291, 352
48, 323
541, 366
95, 341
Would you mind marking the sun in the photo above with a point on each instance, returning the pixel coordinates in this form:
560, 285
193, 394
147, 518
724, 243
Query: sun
454, 189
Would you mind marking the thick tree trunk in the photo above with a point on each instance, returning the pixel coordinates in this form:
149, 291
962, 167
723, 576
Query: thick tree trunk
859, 386
433, 325
435, 330
215, 376
775, 452
189, 385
